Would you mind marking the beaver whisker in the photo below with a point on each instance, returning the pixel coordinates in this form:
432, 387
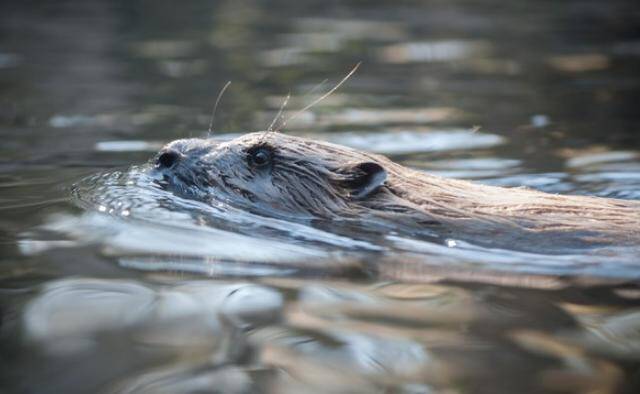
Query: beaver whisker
277, 117
319, 99
286, 100
215, 107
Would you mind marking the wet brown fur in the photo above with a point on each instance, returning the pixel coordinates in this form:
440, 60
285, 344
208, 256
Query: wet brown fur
311, 178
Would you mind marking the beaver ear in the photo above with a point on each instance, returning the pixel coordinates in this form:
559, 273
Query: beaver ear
363, 179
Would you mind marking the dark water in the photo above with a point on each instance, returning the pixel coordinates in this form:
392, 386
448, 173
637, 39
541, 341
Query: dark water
111, 286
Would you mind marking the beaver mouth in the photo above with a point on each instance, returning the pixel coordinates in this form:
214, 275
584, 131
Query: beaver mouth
172, 174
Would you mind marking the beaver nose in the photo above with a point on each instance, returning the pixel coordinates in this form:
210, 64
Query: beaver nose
168, 159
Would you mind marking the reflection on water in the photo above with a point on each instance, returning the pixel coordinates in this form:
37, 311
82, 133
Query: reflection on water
184, 315
328, 337
137, 290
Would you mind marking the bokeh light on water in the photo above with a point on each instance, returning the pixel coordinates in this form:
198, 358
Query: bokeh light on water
112, 286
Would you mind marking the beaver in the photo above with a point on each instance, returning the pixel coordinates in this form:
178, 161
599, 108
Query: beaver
295, 178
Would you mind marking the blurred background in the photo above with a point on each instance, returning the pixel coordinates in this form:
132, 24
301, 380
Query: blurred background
537, 93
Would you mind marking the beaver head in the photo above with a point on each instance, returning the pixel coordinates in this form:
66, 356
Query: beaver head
274, 173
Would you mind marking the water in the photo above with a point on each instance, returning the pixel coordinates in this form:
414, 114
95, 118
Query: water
110, 284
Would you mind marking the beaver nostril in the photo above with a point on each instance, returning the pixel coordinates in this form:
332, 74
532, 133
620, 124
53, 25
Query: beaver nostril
168, 159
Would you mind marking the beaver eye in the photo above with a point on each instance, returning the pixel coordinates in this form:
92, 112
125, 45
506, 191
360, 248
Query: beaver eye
259, 157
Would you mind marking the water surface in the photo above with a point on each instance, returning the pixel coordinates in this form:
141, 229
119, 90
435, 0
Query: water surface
109, 284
